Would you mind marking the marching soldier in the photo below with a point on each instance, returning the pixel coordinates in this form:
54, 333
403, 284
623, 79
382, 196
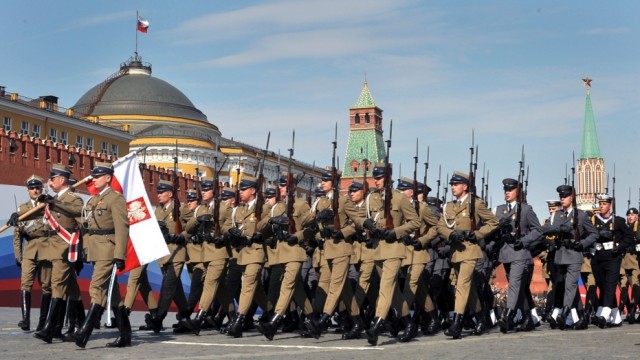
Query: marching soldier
568, 255
245, 233
546, 252
106, 229
60, 216
390, 250
629, 270
614, 238
455, 226
28, 242
515, 254
337, 252
289, 253
170, 265
215, 258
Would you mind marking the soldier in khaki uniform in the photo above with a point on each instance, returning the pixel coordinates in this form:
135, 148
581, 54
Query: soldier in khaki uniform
106, 234
186, 213
390, 251
455, 225
217, 253
28, 241
61, 212
289, 253
171, 265
244, 230
415, 288
337, 252
629, 270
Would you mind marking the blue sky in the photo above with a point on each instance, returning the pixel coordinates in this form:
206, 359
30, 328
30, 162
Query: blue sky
511, 70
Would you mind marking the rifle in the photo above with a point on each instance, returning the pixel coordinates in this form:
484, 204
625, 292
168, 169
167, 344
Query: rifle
483, 183
216, 196
438, 183
472, 186
444, 190
416, 204
426, 169
629, 200
526, 186
335, 186
520, 198
574, 202
260, 176
237, 194
613, 207
311, 184
388, 186
365, 163
291, 188
176, 200
196, 183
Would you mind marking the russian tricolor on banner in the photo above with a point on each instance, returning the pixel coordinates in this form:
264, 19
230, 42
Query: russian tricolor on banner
146, 242
143, 25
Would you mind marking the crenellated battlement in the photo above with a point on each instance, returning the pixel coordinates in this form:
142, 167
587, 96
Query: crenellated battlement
22, 156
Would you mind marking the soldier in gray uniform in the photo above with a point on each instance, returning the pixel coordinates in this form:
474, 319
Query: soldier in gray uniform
515, 254
568, 258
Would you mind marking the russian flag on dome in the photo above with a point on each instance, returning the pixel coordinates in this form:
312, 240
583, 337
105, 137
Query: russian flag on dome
146, 242
143, 24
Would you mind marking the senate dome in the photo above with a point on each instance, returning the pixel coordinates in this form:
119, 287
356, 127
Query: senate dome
161, 117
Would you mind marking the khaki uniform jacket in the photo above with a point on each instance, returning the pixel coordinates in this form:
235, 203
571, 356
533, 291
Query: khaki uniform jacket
221, 251
354, 212
428, 232
194, 251
177, 252
301, 215
33, 230
106, 211
455, 216
333, 249
630, 260
66, 209
245, 219
404, 217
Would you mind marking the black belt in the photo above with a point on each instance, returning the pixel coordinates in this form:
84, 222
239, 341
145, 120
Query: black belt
99, 232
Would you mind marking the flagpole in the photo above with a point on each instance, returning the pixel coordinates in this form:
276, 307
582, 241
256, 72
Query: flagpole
136, 30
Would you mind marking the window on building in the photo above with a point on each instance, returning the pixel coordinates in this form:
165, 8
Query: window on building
355, 166
64, 137
89, 144
53, 135
24, 128
114, 149
7, 123
366, 118
79, 141
105, 147
357, 118
36, 131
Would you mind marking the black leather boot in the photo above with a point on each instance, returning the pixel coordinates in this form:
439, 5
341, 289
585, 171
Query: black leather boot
152, 313
25, 307
45, 303
269, 329
561, 319
59, 324
356, 330
232, 318
124, 328
196, 324
433, 327
455, 329
154, 320
410, 329
76, 318
316, 326
46, 334
527, 323
481, 324
215, 322
93, 316
234, 329
393, 324
344, 321
583, 323
506, 321
374, 330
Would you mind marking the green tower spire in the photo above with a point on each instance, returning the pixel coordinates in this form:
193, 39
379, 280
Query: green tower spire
365, 100
590, 147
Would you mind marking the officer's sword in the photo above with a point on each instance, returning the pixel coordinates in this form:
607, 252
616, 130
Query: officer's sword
109, 293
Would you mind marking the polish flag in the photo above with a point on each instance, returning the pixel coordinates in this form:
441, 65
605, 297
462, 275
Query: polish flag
143, 25
146, 242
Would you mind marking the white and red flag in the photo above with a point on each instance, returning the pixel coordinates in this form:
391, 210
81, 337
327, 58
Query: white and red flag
143, 25
146, 242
